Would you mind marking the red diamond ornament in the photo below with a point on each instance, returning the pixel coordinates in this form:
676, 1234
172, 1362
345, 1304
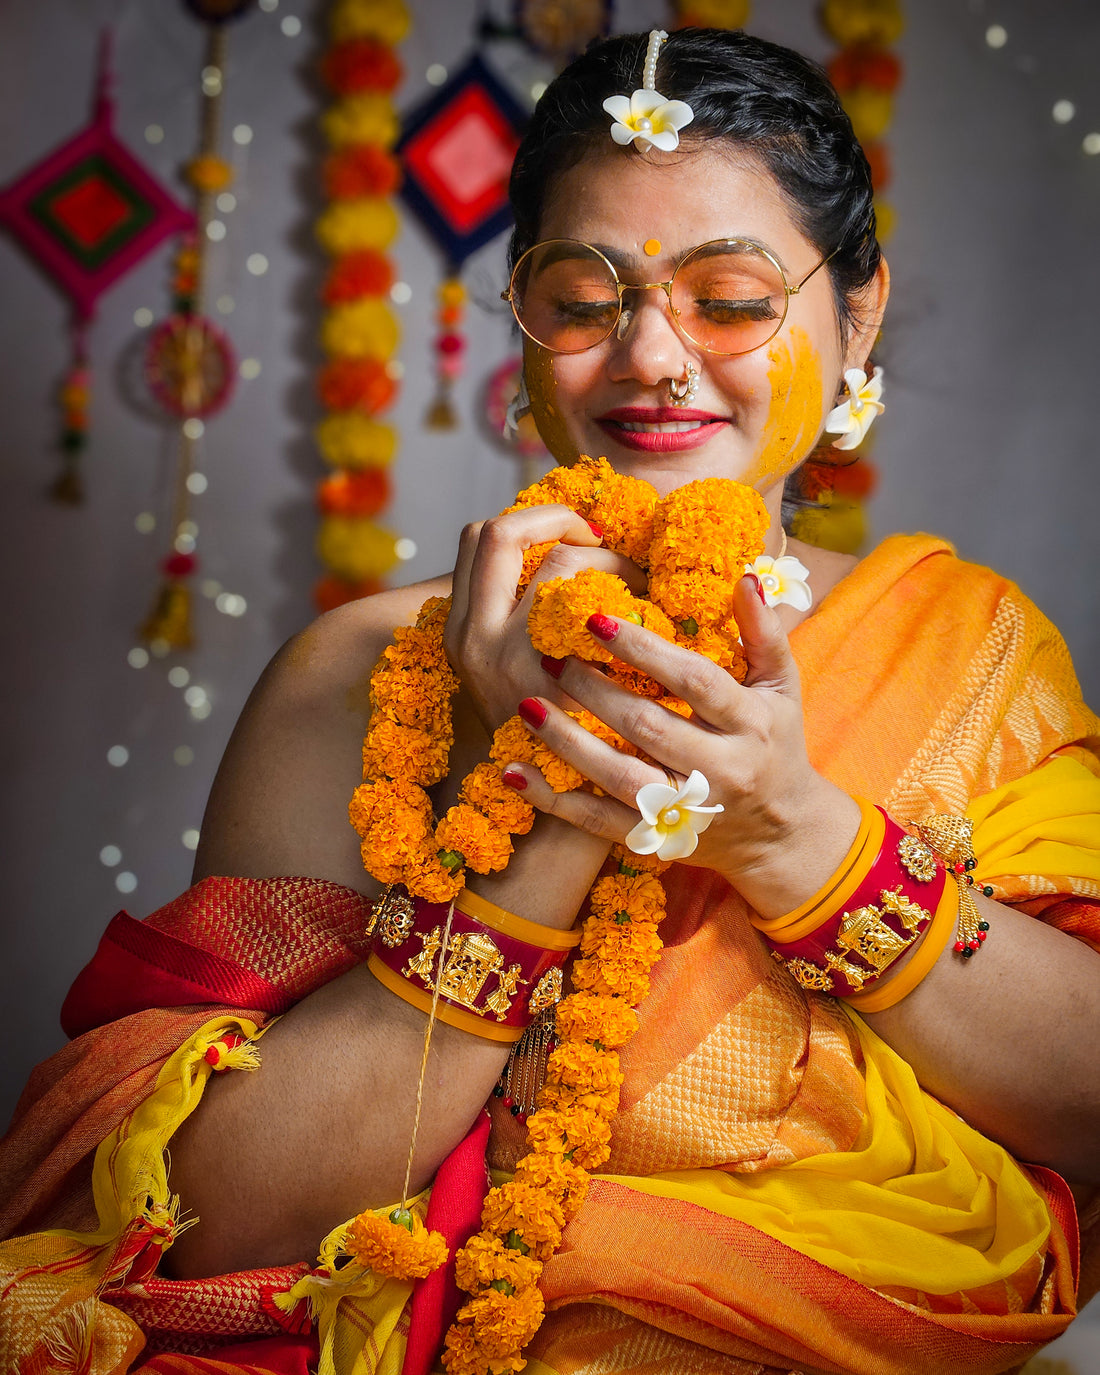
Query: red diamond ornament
457, 152
89, 211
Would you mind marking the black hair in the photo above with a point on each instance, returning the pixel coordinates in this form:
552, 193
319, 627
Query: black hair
747, 92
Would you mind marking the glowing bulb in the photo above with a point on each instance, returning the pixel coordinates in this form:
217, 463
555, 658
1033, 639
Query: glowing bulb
110, 855
125, 882
143, 317
117, 755
996, 35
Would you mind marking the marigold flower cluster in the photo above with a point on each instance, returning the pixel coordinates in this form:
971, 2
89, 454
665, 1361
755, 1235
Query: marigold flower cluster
359, 333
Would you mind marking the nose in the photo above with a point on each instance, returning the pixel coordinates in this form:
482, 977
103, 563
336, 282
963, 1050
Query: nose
646, 346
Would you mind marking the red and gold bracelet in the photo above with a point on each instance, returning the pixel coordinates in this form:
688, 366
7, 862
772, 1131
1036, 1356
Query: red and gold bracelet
890, 890
492, 972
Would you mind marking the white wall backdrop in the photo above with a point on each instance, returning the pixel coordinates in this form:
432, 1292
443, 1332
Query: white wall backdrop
989, 439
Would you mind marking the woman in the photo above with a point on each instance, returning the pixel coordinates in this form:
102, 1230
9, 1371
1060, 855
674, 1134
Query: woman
780, 1194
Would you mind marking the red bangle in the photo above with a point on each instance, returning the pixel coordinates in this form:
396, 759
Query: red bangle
495, 973
887, 911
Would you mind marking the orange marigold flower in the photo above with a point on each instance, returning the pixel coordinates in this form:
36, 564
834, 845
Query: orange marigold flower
483, 846
406, 695
587, 1132
485, 790
726, 519
602, 731
513, 743
388, 1248
602, 1102
642, 897
629, 863
720, 645
366, 272
592, 1017
463, 1354
361, 64
393, 751
580, 1066
347, 493
504, 1323
426, 878
632, 942
432, 617
628, 982
691, 596
532, 562
345, 384
556, 623
566, 1181
534, 1217
378, 802
486, 1259
359, 170
562, 777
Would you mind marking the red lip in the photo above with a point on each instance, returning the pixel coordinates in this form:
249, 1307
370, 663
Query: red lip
670, 442
657, 415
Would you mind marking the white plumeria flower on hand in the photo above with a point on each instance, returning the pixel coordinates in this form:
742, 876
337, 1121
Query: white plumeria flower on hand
783, 580
852, 418
672, 818
647, 117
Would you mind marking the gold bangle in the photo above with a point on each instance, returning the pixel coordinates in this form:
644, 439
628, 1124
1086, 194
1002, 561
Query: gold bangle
889, 992
519, 928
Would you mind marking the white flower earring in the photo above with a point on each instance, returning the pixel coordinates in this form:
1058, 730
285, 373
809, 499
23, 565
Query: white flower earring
518, 407
646, 118
854, 417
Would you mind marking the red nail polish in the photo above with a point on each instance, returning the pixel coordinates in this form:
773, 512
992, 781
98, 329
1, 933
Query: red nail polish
603, 627
515, 780
594, 528
759, 588
552, 666
532, 711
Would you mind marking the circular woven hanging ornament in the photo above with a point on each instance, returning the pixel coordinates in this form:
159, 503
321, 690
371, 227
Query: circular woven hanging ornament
189, 366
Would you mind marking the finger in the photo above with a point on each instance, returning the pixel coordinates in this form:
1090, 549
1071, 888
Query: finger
616, 773
564, 560
460, 583
715, 697
605, 816
501, 544
767, 649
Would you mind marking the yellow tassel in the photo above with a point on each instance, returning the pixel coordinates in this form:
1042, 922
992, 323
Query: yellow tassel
169, 622
245, 1056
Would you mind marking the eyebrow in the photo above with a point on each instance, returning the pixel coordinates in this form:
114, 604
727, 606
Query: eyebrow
566, 249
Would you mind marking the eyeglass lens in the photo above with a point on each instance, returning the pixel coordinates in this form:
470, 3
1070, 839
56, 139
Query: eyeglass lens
727, 296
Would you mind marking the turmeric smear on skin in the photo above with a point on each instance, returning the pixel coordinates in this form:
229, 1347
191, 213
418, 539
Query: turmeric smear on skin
542, 388
796, 409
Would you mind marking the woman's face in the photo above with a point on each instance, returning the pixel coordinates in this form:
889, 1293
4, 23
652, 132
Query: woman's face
756, 415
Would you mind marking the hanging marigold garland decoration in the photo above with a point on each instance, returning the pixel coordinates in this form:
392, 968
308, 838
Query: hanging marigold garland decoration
866, 74
359, 332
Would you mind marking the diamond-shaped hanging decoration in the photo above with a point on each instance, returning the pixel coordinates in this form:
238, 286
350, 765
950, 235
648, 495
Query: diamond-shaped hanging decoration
89, 211
457, 151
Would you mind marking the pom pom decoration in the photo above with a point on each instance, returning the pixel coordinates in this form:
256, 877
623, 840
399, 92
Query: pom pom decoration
359, 333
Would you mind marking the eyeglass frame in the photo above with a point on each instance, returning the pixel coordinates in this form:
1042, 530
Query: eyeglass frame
674, 314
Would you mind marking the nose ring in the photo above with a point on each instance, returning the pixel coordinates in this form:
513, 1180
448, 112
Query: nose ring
683, 392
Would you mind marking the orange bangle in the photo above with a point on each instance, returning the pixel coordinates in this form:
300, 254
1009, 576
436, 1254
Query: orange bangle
519, 928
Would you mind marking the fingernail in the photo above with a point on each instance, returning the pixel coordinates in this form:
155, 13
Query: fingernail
759, 588
515, 780
532, 711
552, 666
594, 528
603, 627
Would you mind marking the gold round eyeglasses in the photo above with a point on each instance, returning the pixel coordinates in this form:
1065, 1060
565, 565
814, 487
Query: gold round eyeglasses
729, 296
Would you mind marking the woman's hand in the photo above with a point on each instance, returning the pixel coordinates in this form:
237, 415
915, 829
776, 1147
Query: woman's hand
486, 638
784, 828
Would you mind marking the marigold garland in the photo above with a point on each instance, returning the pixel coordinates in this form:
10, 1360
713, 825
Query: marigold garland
405, 751
359, 333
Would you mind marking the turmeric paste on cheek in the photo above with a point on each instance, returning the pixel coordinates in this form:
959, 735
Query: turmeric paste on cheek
795, 411
542, 389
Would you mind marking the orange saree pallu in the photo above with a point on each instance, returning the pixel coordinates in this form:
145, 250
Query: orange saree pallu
780, 1197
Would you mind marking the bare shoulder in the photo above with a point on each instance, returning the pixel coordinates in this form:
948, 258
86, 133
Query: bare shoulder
279, 802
